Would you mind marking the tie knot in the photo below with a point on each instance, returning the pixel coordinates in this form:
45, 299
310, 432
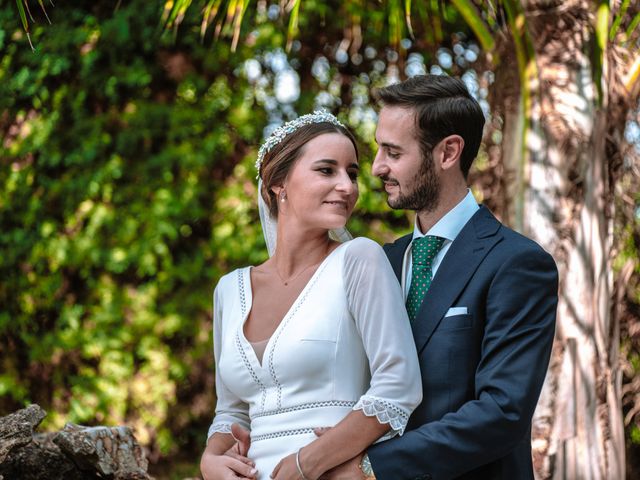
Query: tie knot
425, 249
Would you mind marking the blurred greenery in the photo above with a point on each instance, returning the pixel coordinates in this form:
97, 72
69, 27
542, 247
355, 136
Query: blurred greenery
127, 188
126, 192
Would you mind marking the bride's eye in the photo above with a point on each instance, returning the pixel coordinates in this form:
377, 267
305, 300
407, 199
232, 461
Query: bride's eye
325, 170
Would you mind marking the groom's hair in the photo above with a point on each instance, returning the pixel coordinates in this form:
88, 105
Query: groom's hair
443, 107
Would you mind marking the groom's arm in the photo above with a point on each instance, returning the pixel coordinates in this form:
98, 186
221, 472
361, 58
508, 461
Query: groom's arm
520, 323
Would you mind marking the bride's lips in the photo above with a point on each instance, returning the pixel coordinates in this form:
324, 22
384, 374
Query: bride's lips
338, 203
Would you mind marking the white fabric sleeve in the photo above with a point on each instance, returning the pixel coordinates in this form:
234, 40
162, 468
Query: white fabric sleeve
229, 408
377, 305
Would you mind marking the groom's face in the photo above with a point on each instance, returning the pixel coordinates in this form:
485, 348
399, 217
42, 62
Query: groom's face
409, 178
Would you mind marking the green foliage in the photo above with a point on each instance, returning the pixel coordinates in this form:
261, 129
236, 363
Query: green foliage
116, 154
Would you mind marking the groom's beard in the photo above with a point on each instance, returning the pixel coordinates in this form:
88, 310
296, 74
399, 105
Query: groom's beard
423, 193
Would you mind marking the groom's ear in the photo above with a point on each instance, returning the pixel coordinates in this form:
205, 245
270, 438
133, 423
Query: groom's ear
448, 152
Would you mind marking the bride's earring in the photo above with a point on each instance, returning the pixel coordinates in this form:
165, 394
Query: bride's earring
283, 196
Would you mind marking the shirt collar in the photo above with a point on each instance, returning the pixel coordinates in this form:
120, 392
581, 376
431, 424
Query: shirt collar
450, 225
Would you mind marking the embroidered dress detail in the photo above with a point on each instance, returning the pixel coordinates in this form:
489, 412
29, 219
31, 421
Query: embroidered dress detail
252, 372
243, 299
284, 433
292, 312
385, 412
306, 406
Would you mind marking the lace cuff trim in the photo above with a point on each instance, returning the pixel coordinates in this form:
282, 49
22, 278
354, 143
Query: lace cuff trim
219, 428
385, 412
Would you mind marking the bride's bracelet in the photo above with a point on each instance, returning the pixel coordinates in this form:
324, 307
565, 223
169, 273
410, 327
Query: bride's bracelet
298, 465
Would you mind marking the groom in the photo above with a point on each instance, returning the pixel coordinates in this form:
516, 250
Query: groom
481, 298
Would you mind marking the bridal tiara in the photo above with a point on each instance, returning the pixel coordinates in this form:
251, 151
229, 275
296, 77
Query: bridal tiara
279, 134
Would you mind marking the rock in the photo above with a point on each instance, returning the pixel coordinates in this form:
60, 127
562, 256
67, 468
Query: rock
111, 452
16, 429
41, 459
74, 453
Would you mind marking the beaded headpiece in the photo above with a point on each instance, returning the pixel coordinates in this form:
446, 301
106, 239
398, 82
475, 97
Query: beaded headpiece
279, 134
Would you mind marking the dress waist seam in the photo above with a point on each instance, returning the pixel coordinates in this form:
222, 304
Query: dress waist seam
283, 433
306, 406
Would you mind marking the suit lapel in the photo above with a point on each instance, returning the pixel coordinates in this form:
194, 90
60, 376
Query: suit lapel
467, 251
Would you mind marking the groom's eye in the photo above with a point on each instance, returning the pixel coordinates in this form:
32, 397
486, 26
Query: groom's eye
393, 154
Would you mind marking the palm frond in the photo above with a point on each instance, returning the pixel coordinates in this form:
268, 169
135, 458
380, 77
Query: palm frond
633, 76
395, 22
23, 18
632, 26
237, 13
407, 18
227, 17
210, 12
292, 30
23, 15
468, 11
174, 11
618, 19
26, 6
44, 10
602, 35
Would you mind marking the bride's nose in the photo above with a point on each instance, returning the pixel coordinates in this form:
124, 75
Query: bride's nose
346, 184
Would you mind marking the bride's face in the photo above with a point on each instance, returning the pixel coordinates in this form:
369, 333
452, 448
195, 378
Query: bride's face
322, 187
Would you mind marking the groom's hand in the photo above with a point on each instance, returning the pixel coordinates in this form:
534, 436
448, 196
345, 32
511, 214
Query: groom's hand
349, 470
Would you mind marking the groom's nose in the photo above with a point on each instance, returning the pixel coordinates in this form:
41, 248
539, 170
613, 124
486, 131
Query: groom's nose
379, 167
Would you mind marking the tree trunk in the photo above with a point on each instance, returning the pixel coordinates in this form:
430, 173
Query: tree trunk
568, 209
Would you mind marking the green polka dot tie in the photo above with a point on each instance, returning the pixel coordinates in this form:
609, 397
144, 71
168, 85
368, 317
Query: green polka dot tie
423, 251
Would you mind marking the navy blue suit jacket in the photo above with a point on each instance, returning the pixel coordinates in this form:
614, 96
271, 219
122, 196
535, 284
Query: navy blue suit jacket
481, 372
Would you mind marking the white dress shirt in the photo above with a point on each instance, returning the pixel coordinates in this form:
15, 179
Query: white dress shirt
448, 227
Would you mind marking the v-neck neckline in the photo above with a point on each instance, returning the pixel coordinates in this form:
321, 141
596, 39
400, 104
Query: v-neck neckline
247, 300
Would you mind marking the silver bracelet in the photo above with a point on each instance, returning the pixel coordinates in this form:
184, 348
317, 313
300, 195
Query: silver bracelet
298, 465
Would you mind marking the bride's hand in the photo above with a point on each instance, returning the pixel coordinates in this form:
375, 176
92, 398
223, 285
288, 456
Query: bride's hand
286, 469
237, 452
240, 449
223, 467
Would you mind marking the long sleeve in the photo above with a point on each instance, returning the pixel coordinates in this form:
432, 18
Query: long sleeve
375, 300
521, 299
229, 408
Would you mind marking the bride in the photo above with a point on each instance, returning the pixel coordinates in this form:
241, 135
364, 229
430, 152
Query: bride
317, 335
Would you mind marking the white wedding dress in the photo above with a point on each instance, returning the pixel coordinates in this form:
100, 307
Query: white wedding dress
344, 344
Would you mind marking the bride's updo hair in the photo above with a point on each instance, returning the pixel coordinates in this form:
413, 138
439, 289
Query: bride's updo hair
278, 162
